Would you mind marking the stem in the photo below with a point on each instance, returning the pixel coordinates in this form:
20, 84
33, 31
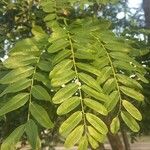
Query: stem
116, 80
77, 76
114, 74
32, 83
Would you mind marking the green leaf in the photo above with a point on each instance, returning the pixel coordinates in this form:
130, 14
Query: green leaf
132, 93
58, 45
70, 123
45, 65
109, 85
132, 110
115, 125
40, 114
19, 61
65, 77
101, 62
97, 123
98, 107
142, 78
89, 68
17, 74
26, 46
68, 105
96, 135
106, 73
61, 56
90, 81
40, 93
74, 136
65, 93
17, 86
83, 144
125, 80
98, 95
117, 47
84, 54
66, 64
13, 138
32, 134
40, 76
114, 98
121, 56
105, 2
93, 142
14, 103
124, 65
130, 121
50, 17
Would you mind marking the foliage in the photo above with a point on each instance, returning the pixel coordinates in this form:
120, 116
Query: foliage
81, 71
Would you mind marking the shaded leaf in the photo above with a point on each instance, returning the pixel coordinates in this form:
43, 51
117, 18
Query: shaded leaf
40, 114
13, 138
40, 93
16, 75
17, 86
14, 103
32, 134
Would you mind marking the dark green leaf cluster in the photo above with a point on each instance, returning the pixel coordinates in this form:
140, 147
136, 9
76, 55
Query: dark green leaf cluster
26, 84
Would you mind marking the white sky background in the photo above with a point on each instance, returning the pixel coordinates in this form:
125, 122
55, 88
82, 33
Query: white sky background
134, 3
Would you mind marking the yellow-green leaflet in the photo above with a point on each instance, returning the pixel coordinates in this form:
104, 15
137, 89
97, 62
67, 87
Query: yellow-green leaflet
92, 142
83, 144
115, 125
130, 121
97, 123
132, 93
98, 107
65, 93
98, 95
68, 105
74, 136
132, 110
69, 124
96, 135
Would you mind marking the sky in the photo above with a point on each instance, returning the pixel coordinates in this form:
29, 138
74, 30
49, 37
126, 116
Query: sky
134, 3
